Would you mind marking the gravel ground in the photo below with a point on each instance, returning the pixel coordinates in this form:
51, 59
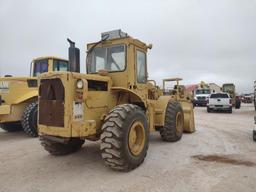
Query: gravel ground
219, 156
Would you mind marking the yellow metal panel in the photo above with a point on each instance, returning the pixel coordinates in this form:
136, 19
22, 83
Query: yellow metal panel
29, 95
83, 128
160, 109
14, 114
189, 123
50, 65
55, 131
5, 109
17, 90
49, 57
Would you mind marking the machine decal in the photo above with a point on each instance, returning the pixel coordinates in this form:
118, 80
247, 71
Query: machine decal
4, 86
78, 111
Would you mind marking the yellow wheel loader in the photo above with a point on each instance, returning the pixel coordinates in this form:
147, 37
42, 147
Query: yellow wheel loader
231, 90
114, 103
19, 95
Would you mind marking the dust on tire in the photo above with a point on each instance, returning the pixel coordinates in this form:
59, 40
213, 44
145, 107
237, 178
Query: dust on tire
114, 139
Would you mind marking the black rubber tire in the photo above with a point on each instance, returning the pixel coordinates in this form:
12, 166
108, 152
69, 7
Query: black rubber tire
238, 104
193, 102
230, 110
169, 131
29, 119
58, 149
254, 135
11, 127
209, 110
114, 138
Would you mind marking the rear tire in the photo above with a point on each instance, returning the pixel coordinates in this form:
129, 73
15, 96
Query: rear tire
237, 104
29, 119
124, 140
230, 110
11, 127
58, 149
254, 135
174, 121
209, 110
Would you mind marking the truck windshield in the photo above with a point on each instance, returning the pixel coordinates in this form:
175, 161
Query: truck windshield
40, 66
60, 65
203, 91
219, 95
111, 58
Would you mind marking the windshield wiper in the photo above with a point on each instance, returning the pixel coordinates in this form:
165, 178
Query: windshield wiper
103, 39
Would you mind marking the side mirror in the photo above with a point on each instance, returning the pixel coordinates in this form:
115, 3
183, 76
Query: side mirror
149, 46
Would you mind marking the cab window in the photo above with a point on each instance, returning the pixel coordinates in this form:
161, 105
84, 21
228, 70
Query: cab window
60, 65
110, 58
141, 67
40, 66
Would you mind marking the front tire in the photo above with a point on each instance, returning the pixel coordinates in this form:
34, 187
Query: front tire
208, 110
58, 149
124, 138
174, 121
29, 119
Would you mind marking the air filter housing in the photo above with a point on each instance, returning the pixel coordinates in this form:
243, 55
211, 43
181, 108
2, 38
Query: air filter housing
115, 34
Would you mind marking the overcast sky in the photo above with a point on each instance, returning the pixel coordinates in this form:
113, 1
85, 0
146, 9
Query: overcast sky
210, 40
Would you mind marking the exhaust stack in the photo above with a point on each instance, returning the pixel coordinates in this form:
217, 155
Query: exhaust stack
73, 57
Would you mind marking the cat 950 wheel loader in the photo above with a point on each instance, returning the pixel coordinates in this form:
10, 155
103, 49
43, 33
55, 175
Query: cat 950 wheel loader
113, 103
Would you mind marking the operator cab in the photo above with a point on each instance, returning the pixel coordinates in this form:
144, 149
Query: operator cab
47, 64
118, 54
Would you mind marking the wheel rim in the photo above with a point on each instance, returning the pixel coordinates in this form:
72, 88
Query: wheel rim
136, 138
179, 122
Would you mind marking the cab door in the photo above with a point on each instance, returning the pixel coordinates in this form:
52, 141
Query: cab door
141, 72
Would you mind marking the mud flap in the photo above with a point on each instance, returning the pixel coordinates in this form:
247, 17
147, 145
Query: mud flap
189, 122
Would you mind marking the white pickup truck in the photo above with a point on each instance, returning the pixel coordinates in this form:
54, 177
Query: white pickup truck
219, 102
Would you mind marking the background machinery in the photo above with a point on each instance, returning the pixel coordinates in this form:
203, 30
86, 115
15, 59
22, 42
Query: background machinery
201, 94
114, 103
231, 90
254, 95
18, 96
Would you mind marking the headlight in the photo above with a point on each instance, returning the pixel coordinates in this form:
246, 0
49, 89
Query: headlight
79, 84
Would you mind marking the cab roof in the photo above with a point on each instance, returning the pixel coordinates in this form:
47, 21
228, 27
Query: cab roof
48, 57
118, 37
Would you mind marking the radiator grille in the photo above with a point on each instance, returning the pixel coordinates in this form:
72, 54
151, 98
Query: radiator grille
51, 102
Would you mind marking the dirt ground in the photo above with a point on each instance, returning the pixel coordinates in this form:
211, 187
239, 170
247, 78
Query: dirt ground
220, 156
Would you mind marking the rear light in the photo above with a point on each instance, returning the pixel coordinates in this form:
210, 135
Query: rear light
230, 101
